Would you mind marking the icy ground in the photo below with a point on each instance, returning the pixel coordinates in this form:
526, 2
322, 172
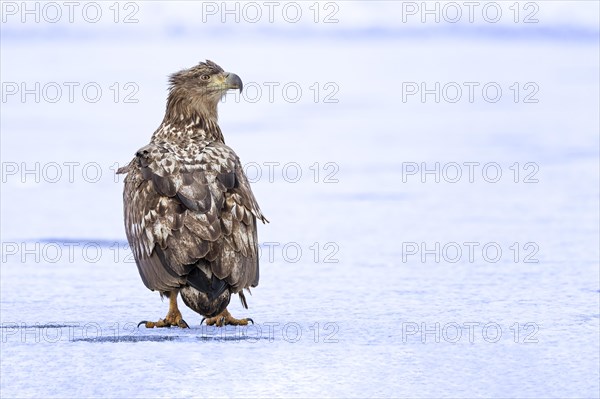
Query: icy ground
350, 303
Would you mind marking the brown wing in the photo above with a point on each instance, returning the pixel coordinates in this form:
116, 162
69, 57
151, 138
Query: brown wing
190, 217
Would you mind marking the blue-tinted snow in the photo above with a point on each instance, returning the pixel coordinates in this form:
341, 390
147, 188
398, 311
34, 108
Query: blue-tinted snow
354, 313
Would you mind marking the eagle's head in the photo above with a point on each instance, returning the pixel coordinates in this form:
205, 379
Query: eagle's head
196, 91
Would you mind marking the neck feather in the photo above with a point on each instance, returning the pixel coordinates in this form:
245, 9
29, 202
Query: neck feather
189, 118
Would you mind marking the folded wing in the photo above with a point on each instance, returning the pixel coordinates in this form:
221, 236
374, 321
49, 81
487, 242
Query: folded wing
190, 218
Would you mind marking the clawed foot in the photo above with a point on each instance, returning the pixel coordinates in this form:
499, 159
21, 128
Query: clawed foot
173, 319
226, 319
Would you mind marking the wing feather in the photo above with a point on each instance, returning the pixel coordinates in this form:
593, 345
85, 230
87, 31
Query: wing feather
190, 209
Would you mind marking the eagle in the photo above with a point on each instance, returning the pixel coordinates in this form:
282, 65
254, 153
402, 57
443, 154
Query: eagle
190, 214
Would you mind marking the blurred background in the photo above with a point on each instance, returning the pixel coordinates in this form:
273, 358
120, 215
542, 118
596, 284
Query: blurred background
383, 140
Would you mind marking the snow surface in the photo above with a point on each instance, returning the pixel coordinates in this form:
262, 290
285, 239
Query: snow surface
353, 314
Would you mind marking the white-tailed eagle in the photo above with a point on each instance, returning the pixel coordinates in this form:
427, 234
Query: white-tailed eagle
190, 215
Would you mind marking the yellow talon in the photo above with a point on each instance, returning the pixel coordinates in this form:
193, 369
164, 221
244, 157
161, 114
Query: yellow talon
173, 317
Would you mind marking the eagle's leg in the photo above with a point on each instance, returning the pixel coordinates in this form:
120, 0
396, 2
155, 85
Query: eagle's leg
224, 319
173, 317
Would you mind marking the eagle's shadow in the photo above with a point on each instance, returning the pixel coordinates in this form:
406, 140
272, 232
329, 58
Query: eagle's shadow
190, 335
162, 338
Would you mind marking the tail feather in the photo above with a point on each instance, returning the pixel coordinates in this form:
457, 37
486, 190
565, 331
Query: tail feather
243, 299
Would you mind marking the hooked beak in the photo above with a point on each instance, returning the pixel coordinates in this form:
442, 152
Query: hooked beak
232, 81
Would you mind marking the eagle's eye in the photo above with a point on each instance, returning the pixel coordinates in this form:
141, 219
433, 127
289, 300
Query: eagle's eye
205, 77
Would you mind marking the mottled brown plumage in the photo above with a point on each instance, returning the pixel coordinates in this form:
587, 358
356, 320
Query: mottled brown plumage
190, 215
